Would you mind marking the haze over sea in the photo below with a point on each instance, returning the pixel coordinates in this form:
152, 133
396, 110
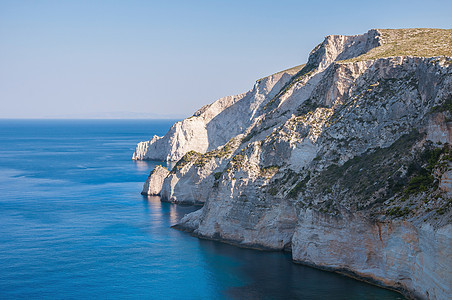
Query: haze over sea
73, 225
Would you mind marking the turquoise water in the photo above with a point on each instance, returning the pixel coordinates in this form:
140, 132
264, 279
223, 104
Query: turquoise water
74, 225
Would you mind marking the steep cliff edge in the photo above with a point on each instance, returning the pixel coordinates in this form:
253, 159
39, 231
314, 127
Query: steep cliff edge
345, 161
205, 130
154, 183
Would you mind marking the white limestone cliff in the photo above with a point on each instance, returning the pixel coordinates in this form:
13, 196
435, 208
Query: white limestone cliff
154, 182
412, 256
345, 162
213, 125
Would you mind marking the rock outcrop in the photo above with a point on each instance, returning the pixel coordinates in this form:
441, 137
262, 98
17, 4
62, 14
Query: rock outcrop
344, 161
215, 124
154, 182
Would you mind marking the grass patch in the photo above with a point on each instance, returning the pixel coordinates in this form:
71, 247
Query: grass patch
190, 156
398, 211
419, 183
222, 152
446, 106
269, 171
217, 175
273, 191
421, 178
301, 185
235, 163
307, 107
423, 42
363, 176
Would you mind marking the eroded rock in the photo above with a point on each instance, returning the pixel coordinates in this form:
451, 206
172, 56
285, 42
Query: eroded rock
345, 160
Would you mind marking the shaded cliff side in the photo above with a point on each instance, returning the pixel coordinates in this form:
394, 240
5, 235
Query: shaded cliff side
345, 161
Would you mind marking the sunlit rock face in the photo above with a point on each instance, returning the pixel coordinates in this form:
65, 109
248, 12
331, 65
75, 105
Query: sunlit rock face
213, 125
153, 184
344, 161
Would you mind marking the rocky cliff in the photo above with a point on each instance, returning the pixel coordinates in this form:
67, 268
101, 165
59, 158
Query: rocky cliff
206, 129
344, 161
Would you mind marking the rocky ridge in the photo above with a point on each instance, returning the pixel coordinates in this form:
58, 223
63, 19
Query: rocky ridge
344, 161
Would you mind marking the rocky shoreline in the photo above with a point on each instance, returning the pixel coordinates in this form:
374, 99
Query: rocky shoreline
345, 160
343, 271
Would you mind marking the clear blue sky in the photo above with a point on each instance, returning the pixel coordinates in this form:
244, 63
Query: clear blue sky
147, 58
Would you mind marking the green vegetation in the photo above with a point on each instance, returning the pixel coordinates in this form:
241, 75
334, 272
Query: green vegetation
256, 131
190, 156
235, 163
398, 211
366, 174
419, 183
217, 175
269, 171
307, 70
432, 156
222, 152
201, 160
421, 179
153, 171
443, 209
424, 42
398, 172
446, 106
289, 178
270, 168
301, 185
308, 106
273, 191
378, 91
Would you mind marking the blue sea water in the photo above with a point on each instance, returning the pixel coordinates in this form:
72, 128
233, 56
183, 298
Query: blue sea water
73, 225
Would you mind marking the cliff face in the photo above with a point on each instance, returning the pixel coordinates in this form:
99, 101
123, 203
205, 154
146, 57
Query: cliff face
154, 183
345, 161
205, 130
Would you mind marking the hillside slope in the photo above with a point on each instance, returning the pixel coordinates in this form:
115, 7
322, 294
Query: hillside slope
345, 162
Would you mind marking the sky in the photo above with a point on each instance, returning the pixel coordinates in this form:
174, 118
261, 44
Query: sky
166, 59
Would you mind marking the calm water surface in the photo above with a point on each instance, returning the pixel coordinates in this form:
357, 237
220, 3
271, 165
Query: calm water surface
74, 225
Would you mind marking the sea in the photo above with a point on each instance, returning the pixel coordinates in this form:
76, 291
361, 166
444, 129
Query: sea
73, 225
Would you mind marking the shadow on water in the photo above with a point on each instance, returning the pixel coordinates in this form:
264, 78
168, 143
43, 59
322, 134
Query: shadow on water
73, 225
171, 212
273, 275
144, 165
251, 274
